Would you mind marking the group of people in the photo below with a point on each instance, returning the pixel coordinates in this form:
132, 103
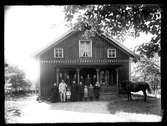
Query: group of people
74, 92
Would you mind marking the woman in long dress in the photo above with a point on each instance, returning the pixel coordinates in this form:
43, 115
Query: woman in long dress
91, 92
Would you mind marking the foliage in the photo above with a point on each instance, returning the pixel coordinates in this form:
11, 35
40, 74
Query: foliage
148, 70
15, 79
117, 20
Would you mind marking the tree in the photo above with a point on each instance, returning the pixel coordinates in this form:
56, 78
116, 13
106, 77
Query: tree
148, 70
15, 79
117, 20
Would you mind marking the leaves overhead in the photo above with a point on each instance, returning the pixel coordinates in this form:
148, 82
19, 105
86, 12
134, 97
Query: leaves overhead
118, 19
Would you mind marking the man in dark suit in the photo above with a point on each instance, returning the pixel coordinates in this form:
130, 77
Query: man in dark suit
74, 91
54, 93
80, 91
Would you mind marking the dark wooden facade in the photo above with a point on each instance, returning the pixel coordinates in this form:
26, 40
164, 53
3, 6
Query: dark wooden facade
106, 70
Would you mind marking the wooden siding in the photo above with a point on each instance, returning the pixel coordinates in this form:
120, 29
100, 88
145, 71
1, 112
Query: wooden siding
71, 52
47, 78
71, 48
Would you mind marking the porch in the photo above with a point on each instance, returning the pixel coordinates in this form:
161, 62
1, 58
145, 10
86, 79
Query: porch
105, 75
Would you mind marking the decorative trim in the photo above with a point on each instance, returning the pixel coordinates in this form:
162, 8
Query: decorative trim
85, 61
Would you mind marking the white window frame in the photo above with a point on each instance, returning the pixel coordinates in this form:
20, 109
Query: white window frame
111, 50
90, 47
60, 50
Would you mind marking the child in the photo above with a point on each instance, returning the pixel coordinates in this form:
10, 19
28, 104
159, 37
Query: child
85, 93
68, 94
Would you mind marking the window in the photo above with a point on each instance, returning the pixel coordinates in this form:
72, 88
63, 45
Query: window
85, 48
111, 53
58, 52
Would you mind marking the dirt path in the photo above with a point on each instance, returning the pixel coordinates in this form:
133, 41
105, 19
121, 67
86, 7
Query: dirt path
117, 110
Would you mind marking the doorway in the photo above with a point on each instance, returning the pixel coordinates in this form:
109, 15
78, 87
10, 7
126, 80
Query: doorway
87, 71
88, 76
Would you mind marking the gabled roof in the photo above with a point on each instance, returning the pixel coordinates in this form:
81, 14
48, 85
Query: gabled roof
123, 48
55, 42
71, 32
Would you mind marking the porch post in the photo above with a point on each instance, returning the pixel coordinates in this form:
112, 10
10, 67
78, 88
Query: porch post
97, 72
78, 75
57, 75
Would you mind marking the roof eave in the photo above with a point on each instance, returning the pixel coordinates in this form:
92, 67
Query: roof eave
65, 35
55, 42
129, 52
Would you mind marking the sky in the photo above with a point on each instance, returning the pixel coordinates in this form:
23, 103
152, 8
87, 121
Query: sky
30, 28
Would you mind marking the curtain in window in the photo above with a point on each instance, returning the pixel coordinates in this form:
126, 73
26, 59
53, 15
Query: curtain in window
85, 48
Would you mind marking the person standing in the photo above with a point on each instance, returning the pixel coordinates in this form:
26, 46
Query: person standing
54, 93
81, 91
85, 93
67, 81
97, 90
68, 95
94, 80
88, 80
90, 92
62, 91
82, 80
74, 78
73, 91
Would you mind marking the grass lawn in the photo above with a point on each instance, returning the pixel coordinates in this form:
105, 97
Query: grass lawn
118, 109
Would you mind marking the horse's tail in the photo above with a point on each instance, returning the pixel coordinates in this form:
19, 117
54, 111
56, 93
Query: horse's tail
149, 88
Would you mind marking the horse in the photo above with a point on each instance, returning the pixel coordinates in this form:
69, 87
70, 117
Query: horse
130, 86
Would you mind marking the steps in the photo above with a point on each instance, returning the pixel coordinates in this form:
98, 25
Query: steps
108, 93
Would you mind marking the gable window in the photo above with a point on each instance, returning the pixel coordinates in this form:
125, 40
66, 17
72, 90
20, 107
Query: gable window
85, 48
111, 53
58, 52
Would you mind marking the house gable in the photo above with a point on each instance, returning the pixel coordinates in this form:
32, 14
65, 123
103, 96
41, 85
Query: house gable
70, 45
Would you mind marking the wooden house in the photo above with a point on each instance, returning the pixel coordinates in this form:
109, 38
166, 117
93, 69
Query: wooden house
71, 57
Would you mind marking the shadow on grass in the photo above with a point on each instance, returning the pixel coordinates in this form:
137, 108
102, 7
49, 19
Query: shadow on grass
89, 107
137, 105
112, 106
